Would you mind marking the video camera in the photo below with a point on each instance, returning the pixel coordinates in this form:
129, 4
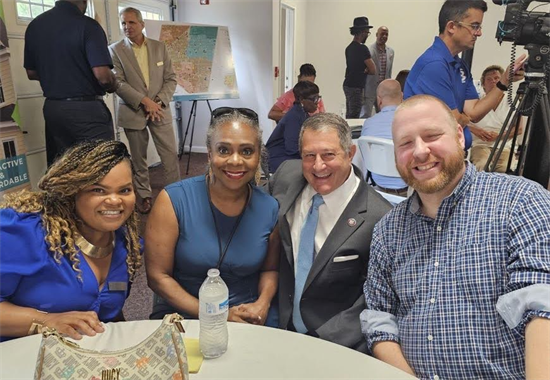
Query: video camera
521, 26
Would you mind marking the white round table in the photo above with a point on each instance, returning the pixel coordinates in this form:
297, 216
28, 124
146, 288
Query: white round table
254, 352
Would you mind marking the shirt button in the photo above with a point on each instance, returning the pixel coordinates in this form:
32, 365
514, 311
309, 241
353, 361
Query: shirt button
438, 228
436, 264
436, 377
430, 337
432, 300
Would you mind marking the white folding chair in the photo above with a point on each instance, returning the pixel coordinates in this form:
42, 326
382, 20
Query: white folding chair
378, 158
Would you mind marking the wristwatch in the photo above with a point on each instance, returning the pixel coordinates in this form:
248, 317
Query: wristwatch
502, 86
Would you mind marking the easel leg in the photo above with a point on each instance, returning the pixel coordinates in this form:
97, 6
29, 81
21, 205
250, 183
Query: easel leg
181, 151
192, 133
179, 123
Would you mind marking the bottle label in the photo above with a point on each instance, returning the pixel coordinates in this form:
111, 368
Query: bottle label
217, 308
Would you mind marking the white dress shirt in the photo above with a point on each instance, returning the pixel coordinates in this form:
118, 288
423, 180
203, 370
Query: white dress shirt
329, 212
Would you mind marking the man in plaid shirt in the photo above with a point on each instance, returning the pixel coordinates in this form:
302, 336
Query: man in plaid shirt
458, 285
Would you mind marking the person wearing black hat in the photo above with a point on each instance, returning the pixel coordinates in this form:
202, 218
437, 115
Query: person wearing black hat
359, 64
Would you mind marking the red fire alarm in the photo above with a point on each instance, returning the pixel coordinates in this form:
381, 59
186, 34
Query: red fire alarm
205, 2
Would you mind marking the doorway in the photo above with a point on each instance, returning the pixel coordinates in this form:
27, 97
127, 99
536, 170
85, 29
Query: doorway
287, 53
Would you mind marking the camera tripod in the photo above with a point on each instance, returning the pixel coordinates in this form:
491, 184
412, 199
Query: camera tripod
534, 159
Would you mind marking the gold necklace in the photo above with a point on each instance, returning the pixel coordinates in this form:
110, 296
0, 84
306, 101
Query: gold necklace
91, 250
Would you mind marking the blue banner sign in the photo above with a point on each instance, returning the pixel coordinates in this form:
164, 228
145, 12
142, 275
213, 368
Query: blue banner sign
13, 172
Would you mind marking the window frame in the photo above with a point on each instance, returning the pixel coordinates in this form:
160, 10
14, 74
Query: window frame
143, 8
22, 20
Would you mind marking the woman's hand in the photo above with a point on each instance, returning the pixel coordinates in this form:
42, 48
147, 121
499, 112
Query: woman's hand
74, 324
258, 309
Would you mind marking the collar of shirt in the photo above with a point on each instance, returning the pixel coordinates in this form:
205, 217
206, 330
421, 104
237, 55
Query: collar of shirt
136, 46
67, 6
336, 200
453, 198
388, 109
440, 46
381, 49
299, 106
329, 212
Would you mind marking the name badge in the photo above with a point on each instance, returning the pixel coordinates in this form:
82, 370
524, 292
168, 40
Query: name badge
160, 63
118, 286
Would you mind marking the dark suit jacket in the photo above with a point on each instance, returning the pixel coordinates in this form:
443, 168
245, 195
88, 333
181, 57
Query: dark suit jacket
333, 293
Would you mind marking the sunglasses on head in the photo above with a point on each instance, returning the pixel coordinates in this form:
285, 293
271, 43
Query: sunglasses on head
247, 112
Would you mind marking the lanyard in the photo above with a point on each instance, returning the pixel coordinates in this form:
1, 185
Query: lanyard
235, 226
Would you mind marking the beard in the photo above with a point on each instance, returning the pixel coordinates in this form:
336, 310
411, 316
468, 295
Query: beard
450, 168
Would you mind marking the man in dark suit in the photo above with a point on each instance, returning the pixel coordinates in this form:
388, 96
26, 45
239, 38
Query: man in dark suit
326, 217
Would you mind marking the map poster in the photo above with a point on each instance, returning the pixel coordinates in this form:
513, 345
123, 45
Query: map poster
201, 58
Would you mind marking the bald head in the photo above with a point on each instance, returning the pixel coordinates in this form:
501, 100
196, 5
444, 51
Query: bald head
382, 35
389, 93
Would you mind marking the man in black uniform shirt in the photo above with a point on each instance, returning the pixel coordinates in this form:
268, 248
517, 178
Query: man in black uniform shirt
67, 52
358, 64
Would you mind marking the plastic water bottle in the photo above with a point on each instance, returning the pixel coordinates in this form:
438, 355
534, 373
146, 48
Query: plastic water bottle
213, 312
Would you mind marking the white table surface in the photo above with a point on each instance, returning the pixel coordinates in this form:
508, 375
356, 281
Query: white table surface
254, 352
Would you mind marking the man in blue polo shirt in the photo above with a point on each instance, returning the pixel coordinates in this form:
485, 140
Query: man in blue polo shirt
67, 52
441, 73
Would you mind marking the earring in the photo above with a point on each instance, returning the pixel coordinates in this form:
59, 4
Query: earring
258, 175
209, 174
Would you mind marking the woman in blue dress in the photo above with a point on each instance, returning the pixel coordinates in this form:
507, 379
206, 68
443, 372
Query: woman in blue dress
221, 219
70, 249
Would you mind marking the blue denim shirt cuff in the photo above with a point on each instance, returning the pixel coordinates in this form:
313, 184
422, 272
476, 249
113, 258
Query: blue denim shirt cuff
513, 306
378, 321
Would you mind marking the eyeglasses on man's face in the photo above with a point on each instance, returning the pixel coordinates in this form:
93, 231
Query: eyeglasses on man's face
246, 112
315, 98
475, 27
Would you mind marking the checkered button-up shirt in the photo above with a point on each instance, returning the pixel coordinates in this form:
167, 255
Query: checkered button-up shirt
457, 291
383, 60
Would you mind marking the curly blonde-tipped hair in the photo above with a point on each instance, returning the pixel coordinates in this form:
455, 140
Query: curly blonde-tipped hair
81, 166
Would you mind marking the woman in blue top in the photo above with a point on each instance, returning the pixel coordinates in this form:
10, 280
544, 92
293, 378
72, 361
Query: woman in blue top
283, 142
70, 249
217, 220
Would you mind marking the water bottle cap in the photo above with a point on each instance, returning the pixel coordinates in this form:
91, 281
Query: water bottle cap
213, 272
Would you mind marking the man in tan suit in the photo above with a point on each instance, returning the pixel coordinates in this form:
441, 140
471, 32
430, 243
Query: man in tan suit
146, 85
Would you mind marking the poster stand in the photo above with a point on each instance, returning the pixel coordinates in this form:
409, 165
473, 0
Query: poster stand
190, 122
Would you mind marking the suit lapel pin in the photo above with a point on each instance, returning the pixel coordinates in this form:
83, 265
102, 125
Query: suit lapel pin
352, 222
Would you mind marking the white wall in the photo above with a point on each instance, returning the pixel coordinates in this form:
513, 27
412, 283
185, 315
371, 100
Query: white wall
250, 30
412, 25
